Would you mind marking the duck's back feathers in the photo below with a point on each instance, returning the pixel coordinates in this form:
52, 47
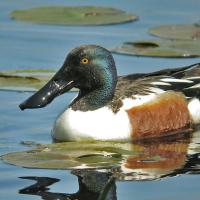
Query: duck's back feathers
186, 80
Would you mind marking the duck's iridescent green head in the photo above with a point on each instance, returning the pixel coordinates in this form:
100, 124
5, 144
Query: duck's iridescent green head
89, 68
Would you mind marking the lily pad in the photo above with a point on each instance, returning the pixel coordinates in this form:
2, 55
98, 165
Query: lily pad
24, 80
73, 15
161, 48
71, 155
179, 31
127, 161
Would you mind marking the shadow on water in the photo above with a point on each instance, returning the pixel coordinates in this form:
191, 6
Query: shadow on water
168, 157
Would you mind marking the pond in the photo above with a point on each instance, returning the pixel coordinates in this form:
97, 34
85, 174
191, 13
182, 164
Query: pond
32, 46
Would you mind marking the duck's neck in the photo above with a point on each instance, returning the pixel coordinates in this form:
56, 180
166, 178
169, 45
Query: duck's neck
89, 100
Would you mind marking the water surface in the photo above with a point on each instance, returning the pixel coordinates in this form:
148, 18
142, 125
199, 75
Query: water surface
25, 45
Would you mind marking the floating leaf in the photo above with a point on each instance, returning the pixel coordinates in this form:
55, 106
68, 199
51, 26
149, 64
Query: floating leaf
24, 80
127, 161
161, 48
71, 155
78, 15
179, 31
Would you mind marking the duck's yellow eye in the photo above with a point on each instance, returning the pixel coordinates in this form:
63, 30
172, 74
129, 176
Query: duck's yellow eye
84, 61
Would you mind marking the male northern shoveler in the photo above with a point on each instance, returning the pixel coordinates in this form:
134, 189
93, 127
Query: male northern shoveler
116, 108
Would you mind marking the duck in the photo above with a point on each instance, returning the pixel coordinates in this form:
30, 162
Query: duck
109, 107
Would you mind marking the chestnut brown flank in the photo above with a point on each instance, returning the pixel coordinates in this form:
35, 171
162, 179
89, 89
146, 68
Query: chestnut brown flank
166, 113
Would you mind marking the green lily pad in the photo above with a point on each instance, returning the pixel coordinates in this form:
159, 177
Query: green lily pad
71, 155
77, 15
161, 48
24, 80
126, 160
179, 31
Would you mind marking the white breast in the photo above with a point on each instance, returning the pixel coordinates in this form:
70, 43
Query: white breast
101, 124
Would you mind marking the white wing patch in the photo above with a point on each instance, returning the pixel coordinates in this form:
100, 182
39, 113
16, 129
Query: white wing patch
193, 78
160, 83
175, 80
194, 86
156, 90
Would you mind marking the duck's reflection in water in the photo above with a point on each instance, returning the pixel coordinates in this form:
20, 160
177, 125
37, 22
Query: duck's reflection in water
154, 159
93, 185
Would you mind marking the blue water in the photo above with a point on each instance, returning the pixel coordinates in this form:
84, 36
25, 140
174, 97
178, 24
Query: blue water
26, 45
